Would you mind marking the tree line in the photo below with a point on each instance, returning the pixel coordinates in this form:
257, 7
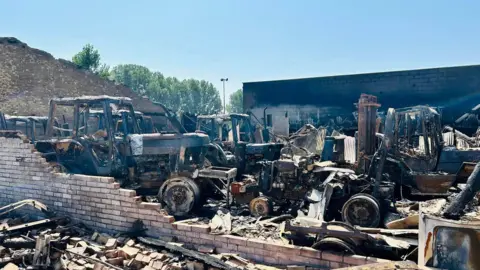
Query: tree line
187, 95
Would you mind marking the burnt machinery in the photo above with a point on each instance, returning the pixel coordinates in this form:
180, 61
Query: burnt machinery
417, 147
34, 127
294, 180
110, 142
145, 123
234, 142
93, 145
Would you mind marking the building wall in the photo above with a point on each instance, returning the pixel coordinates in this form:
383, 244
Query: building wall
101, 204
455, 89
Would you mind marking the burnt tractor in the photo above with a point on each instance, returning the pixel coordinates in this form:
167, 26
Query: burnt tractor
105, 139
34, 127
234, 144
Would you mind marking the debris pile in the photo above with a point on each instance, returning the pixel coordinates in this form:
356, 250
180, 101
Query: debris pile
57, 243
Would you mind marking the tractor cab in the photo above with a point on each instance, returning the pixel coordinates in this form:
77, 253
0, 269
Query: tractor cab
34, 127
416, 147
227, 129
233, 142
102, 136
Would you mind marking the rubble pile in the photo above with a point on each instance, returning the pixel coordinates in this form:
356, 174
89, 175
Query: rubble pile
57, 243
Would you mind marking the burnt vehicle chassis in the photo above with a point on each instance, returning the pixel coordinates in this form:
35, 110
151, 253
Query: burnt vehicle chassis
233, 142
417, 155
110, 142
34, 127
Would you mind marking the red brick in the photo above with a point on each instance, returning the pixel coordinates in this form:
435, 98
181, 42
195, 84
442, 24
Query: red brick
179, 233
169, 226
274, 246
183, 227
332, 257
193, 235
114, 185
168, 219
249, 250
200, 228
207, 236
355, 259
291, 249
310, 253
237, 240
255, 243
259, 251
152, 206
221, 238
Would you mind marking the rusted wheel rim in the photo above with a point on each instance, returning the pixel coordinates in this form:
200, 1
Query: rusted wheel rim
361, 210
180, 195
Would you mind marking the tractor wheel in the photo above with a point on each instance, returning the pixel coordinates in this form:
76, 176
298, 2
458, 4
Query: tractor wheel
338, 243
361, 210
335, 244
180, 195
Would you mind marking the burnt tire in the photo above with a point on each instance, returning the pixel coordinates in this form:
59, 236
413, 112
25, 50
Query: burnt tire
335, 245
180, 196
361, 210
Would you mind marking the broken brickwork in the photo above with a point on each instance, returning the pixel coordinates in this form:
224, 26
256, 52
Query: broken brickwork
100, 203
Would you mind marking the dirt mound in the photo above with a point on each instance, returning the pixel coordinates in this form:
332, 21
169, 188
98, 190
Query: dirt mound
29, 78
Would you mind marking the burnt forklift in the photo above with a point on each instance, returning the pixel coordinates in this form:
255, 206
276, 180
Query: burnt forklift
173, 164
418, 155
234, 144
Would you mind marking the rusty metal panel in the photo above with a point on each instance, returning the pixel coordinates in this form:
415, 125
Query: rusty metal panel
434, 183
367, 125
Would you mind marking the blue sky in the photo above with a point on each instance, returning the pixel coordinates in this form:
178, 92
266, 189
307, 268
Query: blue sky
250, 40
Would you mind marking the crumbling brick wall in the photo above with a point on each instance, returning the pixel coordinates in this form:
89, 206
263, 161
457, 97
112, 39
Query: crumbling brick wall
101, 204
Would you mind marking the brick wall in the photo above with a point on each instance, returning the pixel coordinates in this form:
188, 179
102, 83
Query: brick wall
100, 203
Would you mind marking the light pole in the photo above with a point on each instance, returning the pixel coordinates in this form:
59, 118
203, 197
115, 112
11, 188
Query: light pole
223, 80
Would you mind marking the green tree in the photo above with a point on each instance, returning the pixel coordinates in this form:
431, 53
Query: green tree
134, 76
193, 96
236, 102
104, 71
89, 59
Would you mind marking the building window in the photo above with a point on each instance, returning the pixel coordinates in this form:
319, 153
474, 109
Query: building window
269, 120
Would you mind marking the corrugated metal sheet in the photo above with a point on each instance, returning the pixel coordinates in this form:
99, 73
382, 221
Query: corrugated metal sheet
350, 150
449, 139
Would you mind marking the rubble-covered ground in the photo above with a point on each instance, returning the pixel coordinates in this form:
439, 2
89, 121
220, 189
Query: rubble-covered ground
57, 243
